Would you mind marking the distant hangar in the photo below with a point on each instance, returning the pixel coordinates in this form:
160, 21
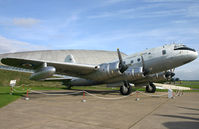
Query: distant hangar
92, 57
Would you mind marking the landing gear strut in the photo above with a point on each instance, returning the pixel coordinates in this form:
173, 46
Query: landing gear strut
69, 87
151, 88
126, 89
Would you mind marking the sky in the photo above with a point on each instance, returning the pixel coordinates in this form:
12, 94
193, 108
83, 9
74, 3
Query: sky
131, 25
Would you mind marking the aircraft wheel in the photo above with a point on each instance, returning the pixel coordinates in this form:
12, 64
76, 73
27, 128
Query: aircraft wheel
124, 90
151, 88
69, 87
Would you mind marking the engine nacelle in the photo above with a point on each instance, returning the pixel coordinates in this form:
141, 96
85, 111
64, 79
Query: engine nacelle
134, 73
159, 77
43, 73
108, 70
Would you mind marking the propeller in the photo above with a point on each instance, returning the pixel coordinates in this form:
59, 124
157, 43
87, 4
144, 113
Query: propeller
170, 74
122, 66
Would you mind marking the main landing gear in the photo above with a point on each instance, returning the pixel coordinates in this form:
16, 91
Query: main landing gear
151, 88
126, 89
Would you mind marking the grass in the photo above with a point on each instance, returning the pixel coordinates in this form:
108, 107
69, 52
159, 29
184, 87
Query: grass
191, 84
6, 98
23, 78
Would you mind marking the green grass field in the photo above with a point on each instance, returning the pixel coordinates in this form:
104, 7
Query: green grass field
191, 84
5, 97
23, 78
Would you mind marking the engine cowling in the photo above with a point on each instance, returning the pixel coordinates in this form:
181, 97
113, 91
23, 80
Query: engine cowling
163, 76
43, 73
134, 73
159, 77
108, 70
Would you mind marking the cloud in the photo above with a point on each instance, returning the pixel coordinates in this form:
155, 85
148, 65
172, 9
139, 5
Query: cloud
145, 11
153, 9
193, 11
110, 2
188, 71
25, 22
9, 45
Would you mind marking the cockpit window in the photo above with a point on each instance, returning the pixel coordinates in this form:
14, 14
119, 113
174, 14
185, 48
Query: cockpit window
183, 47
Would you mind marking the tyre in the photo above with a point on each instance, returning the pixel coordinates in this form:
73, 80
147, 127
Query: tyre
151, 88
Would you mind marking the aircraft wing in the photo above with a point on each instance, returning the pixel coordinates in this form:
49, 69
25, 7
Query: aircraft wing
64, 68
11, 68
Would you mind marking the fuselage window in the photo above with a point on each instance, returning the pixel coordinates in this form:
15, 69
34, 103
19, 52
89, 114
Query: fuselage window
131, 61
164, 52
138, 59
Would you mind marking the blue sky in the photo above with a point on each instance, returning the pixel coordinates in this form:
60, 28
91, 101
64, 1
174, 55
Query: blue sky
131, 25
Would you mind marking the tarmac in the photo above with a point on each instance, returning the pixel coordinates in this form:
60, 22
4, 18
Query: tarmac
58, 111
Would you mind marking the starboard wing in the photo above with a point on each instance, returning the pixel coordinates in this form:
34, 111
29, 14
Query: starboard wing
63, 68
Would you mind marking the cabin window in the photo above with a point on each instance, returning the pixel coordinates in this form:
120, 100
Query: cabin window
138, 59
164, 52
132, 61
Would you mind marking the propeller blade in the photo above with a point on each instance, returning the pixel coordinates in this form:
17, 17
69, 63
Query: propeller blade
172, 74
169, 74
119, 56
122, 66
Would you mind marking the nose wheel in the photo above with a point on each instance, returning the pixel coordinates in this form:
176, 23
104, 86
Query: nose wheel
151, 88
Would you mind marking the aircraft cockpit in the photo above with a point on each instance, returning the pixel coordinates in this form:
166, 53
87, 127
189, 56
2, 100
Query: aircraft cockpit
183, 47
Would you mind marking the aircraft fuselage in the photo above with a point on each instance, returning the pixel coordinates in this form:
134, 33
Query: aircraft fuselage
143, 66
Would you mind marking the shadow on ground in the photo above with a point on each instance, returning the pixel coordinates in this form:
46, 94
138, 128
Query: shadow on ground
182, 125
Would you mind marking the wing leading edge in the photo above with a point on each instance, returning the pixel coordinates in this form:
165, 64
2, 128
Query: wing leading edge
71, 69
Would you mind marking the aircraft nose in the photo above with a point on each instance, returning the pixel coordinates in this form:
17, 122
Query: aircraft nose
194, 55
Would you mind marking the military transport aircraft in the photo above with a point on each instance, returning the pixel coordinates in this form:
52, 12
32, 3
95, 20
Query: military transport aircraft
140, 69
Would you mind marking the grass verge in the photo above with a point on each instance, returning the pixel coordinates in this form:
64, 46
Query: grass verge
6, 98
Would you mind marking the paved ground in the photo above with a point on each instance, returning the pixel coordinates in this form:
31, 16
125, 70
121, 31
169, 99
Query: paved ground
61, 112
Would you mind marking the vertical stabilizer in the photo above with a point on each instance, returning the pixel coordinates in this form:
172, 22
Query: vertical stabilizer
70, 59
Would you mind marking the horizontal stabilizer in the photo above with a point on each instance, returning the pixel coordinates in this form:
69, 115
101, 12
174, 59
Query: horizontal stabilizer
57, 79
